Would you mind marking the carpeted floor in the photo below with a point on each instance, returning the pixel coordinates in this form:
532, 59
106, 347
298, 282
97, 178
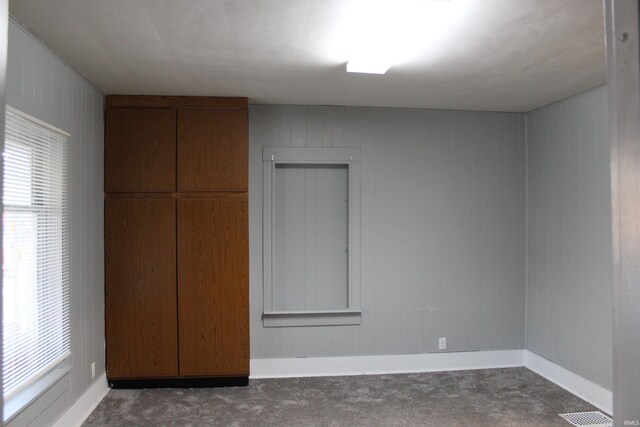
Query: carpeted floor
496, 397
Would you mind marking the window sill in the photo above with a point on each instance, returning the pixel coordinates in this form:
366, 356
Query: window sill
16, 404
276, 319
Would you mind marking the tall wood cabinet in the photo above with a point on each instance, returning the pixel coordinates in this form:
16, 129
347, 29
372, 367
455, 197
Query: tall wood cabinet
176, 241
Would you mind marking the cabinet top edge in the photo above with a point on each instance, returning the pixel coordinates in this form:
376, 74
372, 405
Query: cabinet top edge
161, 101
177, 195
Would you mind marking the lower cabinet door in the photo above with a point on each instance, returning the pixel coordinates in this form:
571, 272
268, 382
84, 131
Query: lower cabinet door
213, 312
140, 288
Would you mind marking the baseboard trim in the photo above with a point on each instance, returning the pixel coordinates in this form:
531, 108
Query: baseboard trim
391, 364
82, 408
598, 396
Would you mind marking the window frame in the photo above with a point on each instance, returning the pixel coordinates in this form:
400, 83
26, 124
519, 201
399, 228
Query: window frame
51, 377
350, 157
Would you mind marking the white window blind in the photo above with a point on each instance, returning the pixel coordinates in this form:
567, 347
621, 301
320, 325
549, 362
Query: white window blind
36, 251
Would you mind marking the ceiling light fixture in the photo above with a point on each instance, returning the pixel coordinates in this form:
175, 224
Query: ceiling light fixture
377, 34
368, 65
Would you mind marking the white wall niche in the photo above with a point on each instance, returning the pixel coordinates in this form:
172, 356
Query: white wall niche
311, 241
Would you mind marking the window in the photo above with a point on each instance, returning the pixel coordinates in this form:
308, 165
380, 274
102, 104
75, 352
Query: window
36, 251
311, 236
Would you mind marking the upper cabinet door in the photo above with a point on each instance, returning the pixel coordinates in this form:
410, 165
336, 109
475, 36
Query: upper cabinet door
212, 150
140, 150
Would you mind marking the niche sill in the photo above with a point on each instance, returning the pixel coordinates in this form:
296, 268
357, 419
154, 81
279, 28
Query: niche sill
277, 319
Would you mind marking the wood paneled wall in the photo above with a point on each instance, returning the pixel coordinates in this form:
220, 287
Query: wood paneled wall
442, 228
42, 85
569, 300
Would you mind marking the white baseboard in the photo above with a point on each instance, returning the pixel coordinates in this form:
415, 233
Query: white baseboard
82, 408
393, 364
598, 396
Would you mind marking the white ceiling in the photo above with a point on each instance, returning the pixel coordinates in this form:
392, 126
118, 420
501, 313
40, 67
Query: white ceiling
495, 55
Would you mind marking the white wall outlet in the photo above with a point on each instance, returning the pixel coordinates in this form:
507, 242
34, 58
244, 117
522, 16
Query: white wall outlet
93, 370
442, 343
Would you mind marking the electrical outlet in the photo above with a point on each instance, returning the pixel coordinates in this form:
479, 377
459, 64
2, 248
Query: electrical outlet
93, 370
442, 343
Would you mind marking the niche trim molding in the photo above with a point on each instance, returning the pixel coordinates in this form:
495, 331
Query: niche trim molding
349, 315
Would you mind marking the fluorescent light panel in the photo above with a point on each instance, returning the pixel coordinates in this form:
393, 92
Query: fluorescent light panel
382, 33
368, 65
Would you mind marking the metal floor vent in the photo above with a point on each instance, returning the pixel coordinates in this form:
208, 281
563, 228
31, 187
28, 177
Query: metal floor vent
591, 419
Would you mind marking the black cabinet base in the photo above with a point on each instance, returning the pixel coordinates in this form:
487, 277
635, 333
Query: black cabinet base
180, 382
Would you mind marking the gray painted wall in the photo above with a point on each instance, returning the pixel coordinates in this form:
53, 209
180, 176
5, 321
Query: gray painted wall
42, 85
569, 269
442, 228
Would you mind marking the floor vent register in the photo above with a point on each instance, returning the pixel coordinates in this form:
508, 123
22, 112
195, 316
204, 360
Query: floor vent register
591, 419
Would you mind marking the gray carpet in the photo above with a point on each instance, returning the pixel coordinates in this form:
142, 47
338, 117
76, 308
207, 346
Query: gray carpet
496, 397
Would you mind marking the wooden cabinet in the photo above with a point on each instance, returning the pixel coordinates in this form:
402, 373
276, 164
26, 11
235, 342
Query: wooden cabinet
140, 150
213, 283
212, 150
140, 270
176, 241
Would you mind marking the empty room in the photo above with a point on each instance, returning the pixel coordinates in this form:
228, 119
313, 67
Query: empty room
320, 212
